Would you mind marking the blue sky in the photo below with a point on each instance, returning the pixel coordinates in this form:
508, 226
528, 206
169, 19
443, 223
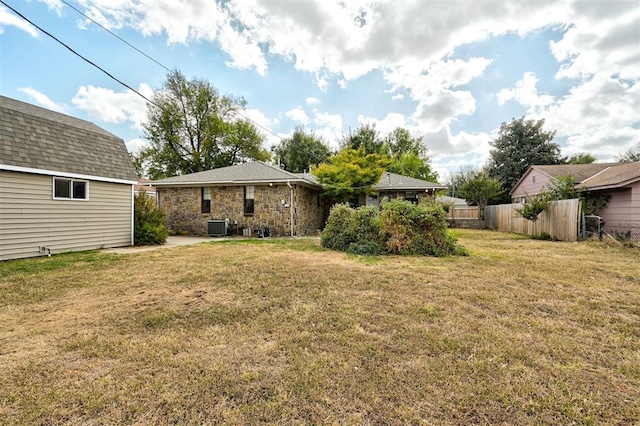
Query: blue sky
451, 71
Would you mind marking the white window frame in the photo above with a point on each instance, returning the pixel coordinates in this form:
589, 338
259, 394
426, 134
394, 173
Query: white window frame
71, 182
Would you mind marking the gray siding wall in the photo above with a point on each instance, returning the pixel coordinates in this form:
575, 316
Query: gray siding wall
30, 217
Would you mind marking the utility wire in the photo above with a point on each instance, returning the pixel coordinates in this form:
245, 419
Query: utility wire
159, 63
123, 83
77, 54
114, 34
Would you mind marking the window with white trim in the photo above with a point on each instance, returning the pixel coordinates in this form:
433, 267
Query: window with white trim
248, 200
206, 199
70, 189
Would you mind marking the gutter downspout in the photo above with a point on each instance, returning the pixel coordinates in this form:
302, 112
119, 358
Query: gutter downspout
291, 206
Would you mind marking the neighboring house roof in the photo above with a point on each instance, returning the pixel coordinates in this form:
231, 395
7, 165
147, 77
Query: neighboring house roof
37, 140
143, 186
621, 174
254, 172
579, 172
395, 182
451, 200
591, 176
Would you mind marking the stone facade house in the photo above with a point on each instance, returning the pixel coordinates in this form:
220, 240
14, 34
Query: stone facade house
65, 184
244, 199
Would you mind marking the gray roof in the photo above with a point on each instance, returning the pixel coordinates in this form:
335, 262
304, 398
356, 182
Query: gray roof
254, 172
395, 182
579, 172
37, 138
617, 175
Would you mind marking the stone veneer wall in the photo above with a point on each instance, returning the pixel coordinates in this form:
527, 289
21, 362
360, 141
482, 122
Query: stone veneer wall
182, 207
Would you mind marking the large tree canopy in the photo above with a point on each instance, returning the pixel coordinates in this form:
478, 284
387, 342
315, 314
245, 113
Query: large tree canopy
519, 145
349, 172
409, 156
191, 128
299, 152
630, 156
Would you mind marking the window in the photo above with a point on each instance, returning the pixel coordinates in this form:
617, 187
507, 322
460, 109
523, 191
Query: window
533, 179
248, 201
205, 193
70, 189
412, 197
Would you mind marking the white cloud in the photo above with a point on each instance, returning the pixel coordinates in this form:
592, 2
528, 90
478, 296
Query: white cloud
113, 107
597, 116
312, 101
43, 100
8, 18
264, 125
343, 39
603, 38
134, 145
53, 5
525, 93
436, 111
298, 114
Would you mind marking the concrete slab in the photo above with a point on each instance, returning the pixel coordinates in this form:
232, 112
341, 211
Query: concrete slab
172, 241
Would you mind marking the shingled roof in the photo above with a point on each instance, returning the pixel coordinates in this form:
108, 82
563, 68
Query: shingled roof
395, 182
36, 140
579, 172
254, 172
618, 175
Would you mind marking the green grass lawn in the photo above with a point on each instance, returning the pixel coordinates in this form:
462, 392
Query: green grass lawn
281, 331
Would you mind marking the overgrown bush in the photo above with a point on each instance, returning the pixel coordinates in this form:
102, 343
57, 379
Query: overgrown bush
149, 226
353, 230
398, 227
416, 229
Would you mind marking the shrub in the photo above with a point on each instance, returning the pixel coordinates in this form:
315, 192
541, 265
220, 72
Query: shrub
416, 229
353, 230
400, 228
335, 235
149, 226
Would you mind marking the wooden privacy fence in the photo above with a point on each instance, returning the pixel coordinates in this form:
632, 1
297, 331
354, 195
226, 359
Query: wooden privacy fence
464, 212
561, 220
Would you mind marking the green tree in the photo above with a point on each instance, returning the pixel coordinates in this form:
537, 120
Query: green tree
582, 158
349, 172
409, 156
480, 191
365, 137
459, 178
630, 156
299, 152
191, 128
519, 145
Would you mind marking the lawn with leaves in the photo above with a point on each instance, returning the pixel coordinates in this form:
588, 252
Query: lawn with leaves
284, 332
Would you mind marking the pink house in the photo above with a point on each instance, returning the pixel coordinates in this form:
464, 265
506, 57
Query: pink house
621, 181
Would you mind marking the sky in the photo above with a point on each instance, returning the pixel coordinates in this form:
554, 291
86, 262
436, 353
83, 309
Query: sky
450, 71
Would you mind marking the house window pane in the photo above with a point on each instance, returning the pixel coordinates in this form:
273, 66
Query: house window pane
248, 200
62, 188
412, 197
206, 199
79, 190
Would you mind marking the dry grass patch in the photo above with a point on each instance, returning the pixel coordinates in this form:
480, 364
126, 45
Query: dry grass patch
282, 331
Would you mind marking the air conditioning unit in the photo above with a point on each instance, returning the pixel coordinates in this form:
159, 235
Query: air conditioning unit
217, 228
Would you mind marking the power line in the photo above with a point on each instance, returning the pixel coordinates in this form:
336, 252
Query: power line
114, 34
159, 63
76, 53
123, 83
